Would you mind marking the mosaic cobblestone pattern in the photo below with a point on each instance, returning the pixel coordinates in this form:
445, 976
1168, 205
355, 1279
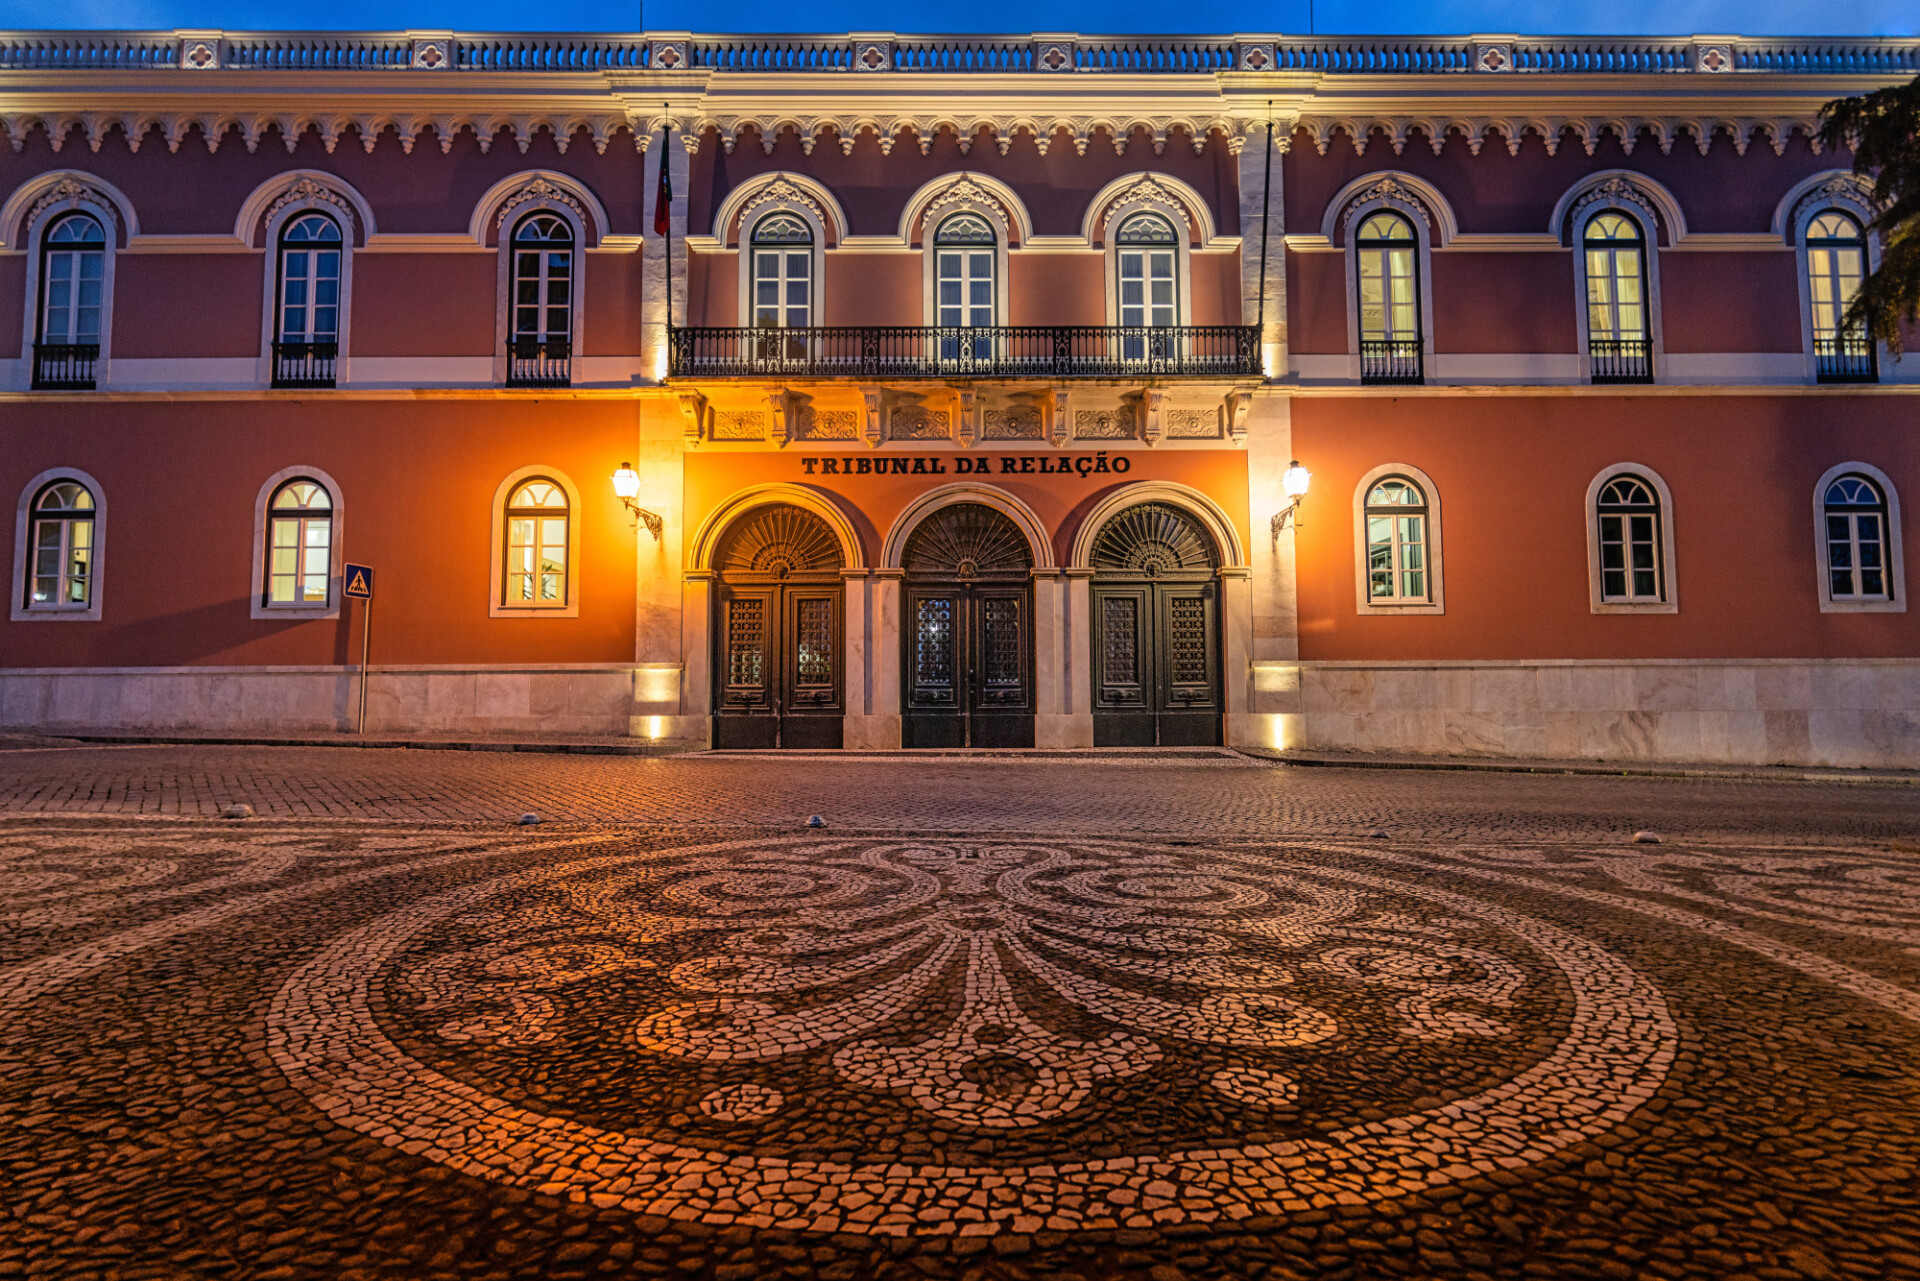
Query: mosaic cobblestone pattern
353, 1050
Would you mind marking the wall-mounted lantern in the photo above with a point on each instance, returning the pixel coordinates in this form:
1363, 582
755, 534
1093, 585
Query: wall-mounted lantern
626, 483
1295, 484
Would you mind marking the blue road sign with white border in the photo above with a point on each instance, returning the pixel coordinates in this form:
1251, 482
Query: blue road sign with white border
359, 581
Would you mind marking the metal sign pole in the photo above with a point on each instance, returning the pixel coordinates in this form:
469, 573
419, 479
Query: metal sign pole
366, 629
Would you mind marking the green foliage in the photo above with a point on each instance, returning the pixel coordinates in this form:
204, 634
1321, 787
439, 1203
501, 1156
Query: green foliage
1883, 129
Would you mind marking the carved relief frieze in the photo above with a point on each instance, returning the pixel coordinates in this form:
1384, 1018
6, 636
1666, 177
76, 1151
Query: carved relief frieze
1388, 192
1104, 424
306, 190
71, 192
1013, 422
1193, 424
919, 422
540, 191
1614, 191
739, 424
1843, 189
828, 424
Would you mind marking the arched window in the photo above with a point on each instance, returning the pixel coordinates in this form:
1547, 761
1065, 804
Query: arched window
536, 545
307, 315
782, 272
1398, 568
964, 281
1388, 279
1632, 551
73, 258
540, 346
62, 546
300, 545
1836, 263
1856, 536
1146, 274
1619, 334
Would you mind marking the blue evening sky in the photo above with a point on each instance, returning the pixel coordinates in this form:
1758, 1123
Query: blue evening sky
1557, 17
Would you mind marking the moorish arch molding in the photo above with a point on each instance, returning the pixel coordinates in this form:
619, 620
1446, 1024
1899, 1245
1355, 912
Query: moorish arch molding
971, 191
713, 530
1390, 189
781, 190
64, 191
962, 492
1149, 191
532, 189
1226, 538
300, 189
1622, 189
1830, 189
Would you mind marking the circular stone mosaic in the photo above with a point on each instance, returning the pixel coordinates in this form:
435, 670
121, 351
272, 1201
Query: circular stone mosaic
954, 1036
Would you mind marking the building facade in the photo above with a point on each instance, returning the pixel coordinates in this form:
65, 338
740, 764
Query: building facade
961, 392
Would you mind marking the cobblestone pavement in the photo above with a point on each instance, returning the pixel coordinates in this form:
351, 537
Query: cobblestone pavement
1157, 1020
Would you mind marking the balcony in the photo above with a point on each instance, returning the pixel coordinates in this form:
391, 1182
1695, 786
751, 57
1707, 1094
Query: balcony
1844, 358
64, 366
539, 362
1621, 360
954, 351
304, 364
1391, 362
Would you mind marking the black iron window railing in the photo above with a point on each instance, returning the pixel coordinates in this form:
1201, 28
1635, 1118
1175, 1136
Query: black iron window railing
1844, 358
304, 364
1391, 361
539, 362
1621, 360
958, 351
64, 366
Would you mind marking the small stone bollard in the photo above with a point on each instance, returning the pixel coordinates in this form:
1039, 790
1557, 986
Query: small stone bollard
814, 820
1646, 838
528, 820
239, 810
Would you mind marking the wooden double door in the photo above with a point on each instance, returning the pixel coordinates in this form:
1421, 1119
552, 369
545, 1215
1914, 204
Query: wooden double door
779, 634
967, 632
1156, 631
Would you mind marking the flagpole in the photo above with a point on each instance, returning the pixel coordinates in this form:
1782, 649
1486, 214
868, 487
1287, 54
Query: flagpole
666, 189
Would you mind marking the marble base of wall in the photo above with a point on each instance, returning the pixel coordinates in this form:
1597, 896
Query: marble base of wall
1829, 712
555, 699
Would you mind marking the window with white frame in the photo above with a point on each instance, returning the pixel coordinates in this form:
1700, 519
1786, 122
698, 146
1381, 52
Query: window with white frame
1387, 277
299, 546
782, 247
1836, 252
72, 274
543, 279
1632, 552
1146, 274
309, 294
1398, 569
1855, 514
1619, 335
963, 267
536, 545
61, 548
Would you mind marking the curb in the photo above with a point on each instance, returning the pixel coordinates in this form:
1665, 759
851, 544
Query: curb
1727, 773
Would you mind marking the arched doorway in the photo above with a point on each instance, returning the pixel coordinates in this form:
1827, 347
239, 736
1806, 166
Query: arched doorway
777, 679
968, 631
1156, 630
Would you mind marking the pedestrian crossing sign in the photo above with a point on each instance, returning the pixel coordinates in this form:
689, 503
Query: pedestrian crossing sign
360, 581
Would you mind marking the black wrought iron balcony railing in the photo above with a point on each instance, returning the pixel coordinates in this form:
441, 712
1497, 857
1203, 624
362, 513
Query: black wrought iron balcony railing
539, 362
1621, 360
1844, 358
957, 351
64, 366
304, 364
1391, 362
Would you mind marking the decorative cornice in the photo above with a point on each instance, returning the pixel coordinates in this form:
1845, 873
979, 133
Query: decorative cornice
1385, 191
544, 191
782, 192
1848, 189
1616, 191
308, 191
71, 191
1553, 131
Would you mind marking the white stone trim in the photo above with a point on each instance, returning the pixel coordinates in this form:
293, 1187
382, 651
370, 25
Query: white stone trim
1147, 193
531, 189
1627, 190
1650, 261
500, 211
1669, 579
991, 197
779, 198
22, 523
285, 197
1436, 602
1393, 189
783, 189
992, 496
1896, 570
821, 503
1146, 189
497, 556
1226, 539
53, 195
336, 548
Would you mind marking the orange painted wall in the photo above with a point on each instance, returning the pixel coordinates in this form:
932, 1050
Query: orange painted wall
1513, 474
1060, 502
418, 480
155, 294
424, 304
